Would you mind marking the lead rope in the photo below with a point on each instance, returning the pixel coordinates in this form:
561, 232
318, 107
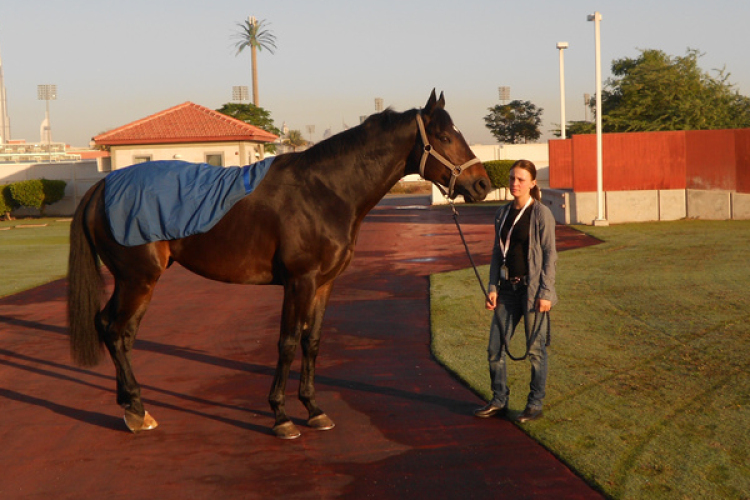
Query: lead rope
505, 337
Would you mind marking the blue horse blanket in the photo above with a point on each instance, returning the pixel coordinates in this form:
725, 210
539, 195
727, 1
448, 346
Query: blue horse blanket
167, 200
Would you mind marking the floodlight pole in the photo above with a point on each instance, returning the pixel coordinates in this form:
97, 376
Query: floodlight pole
561, 46
600, 220
504, 93
47, 93
239, 93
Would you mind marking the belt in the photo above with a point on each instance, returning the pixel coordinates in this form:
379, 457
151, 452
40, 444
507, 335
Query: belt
519, 280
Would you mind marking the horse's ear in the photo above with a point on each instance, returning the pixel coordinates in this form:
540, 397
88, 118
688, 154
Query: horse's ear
441, 101
430, 103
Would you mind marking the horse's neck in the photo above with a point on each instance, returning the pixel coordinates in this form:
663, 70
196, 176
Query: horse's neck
365, 173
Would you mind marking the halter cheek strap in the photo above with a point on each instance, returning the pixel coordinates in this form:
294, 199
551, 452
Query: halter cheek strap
429, 150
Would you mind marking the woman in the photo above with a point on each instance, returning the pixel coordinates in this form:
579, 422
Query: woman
522, 285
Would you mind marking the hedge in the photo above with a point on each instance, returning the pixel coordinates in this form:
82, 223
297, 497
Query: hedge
37, 193
498, 171
7, 203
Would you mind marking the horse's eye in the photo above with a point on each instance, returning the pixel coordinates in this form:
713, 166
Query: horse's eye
445, 138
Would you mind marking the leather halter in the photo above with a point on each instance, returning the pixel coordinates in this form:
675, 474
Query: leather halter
429, 150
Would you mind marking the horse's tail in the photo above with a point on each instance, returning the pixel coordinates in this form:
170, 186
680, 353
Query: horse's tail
85, 288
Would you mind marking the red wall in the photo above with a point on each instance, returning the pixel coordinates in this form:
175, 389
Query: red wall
704, 159
584, 162
711, 159
742, 155
644, 161
561, 155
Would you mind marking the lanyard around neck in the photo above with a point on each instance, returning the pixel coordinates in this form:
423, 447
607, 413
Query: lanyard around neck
504, 246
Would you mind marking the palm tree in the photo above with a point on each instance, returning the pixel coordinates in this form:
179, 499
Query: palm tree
294, 140
253, 34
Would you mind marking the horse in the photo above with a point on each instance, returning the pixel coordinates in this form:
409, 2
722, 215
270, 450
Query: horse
297, 229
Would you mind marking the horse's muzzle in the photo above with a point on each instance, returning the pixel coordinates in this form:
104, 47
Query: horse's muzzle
474, 191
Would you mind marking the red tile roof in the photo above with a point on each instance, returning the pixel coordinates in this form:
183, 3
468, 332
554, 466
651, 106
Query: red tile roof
187, 122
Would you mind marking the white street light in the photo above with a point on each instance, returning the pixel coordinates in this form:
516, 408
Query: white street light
561, 46
600, 220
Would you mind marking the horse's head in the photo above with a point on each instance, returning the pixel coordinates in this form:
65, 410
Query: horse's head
445, 157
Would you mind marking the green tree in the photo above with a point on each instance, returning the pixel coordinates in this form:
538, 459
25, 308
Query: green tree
254, 34
254, 115
514, 123
656, 91
249, 113
294, 140
576, 128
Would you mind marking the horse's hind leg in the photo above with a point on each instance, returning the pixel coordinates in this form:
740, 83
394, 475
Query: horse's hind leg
118, 325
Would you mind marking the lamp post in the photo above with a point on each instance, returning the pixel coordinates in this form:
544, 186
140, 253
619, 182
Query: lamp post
4, 121
561, 46
47, 93
600, 220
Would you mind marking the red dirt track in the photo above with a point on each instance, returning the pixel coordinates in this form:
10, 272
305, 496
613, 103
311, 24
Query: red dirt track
205, 357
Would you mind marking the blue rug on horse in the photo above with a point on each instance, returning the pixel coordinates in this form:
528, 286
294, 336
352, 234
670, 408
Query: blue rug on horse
167, 200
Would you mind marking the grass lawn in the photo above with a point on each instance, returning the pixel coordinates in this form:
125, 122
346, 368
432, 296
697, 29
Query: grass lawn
32, 252
648, 395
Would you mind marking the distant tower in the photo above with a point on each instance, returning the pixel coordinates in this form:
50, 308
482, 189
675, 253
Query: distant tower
4, 120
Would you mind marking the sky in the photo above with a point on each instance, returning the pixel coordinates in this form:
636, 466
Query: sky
116, 62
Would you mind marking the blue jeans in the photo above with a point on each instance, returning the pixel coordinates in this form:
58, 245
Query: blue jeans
511, 307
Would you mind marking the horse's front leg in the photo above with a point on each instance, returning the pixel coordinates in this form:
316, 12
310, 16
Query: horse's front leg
310, 347
296, 317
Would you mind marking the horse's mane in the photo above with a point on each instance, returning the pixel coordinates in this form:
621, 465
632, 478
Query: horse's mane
360, 135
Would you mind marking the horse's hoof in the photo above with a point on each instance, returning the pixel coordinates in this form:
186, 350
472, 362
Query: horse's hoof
287, 430
321, 422
136, 423
149, 422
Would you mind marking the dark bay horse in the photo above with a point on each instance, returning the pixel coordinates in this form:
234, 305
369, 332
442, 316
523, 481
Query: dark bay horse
297, 229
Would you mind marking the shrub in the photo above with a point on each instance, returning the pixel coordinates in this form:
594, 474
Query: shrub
411, 187
37, 193
28, 193
498, 172
7, 203
54, 191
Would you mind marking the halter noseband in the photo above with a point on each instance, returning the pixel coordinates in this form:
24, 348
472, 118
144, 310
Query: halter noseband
429, 150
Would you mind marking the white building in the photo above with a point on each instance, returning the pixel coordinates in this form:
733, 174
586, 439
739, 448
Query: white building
186, 132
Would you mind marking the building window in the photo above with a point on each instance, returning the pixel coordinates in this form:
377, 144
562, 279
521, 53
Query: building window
217, 160
141, 159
